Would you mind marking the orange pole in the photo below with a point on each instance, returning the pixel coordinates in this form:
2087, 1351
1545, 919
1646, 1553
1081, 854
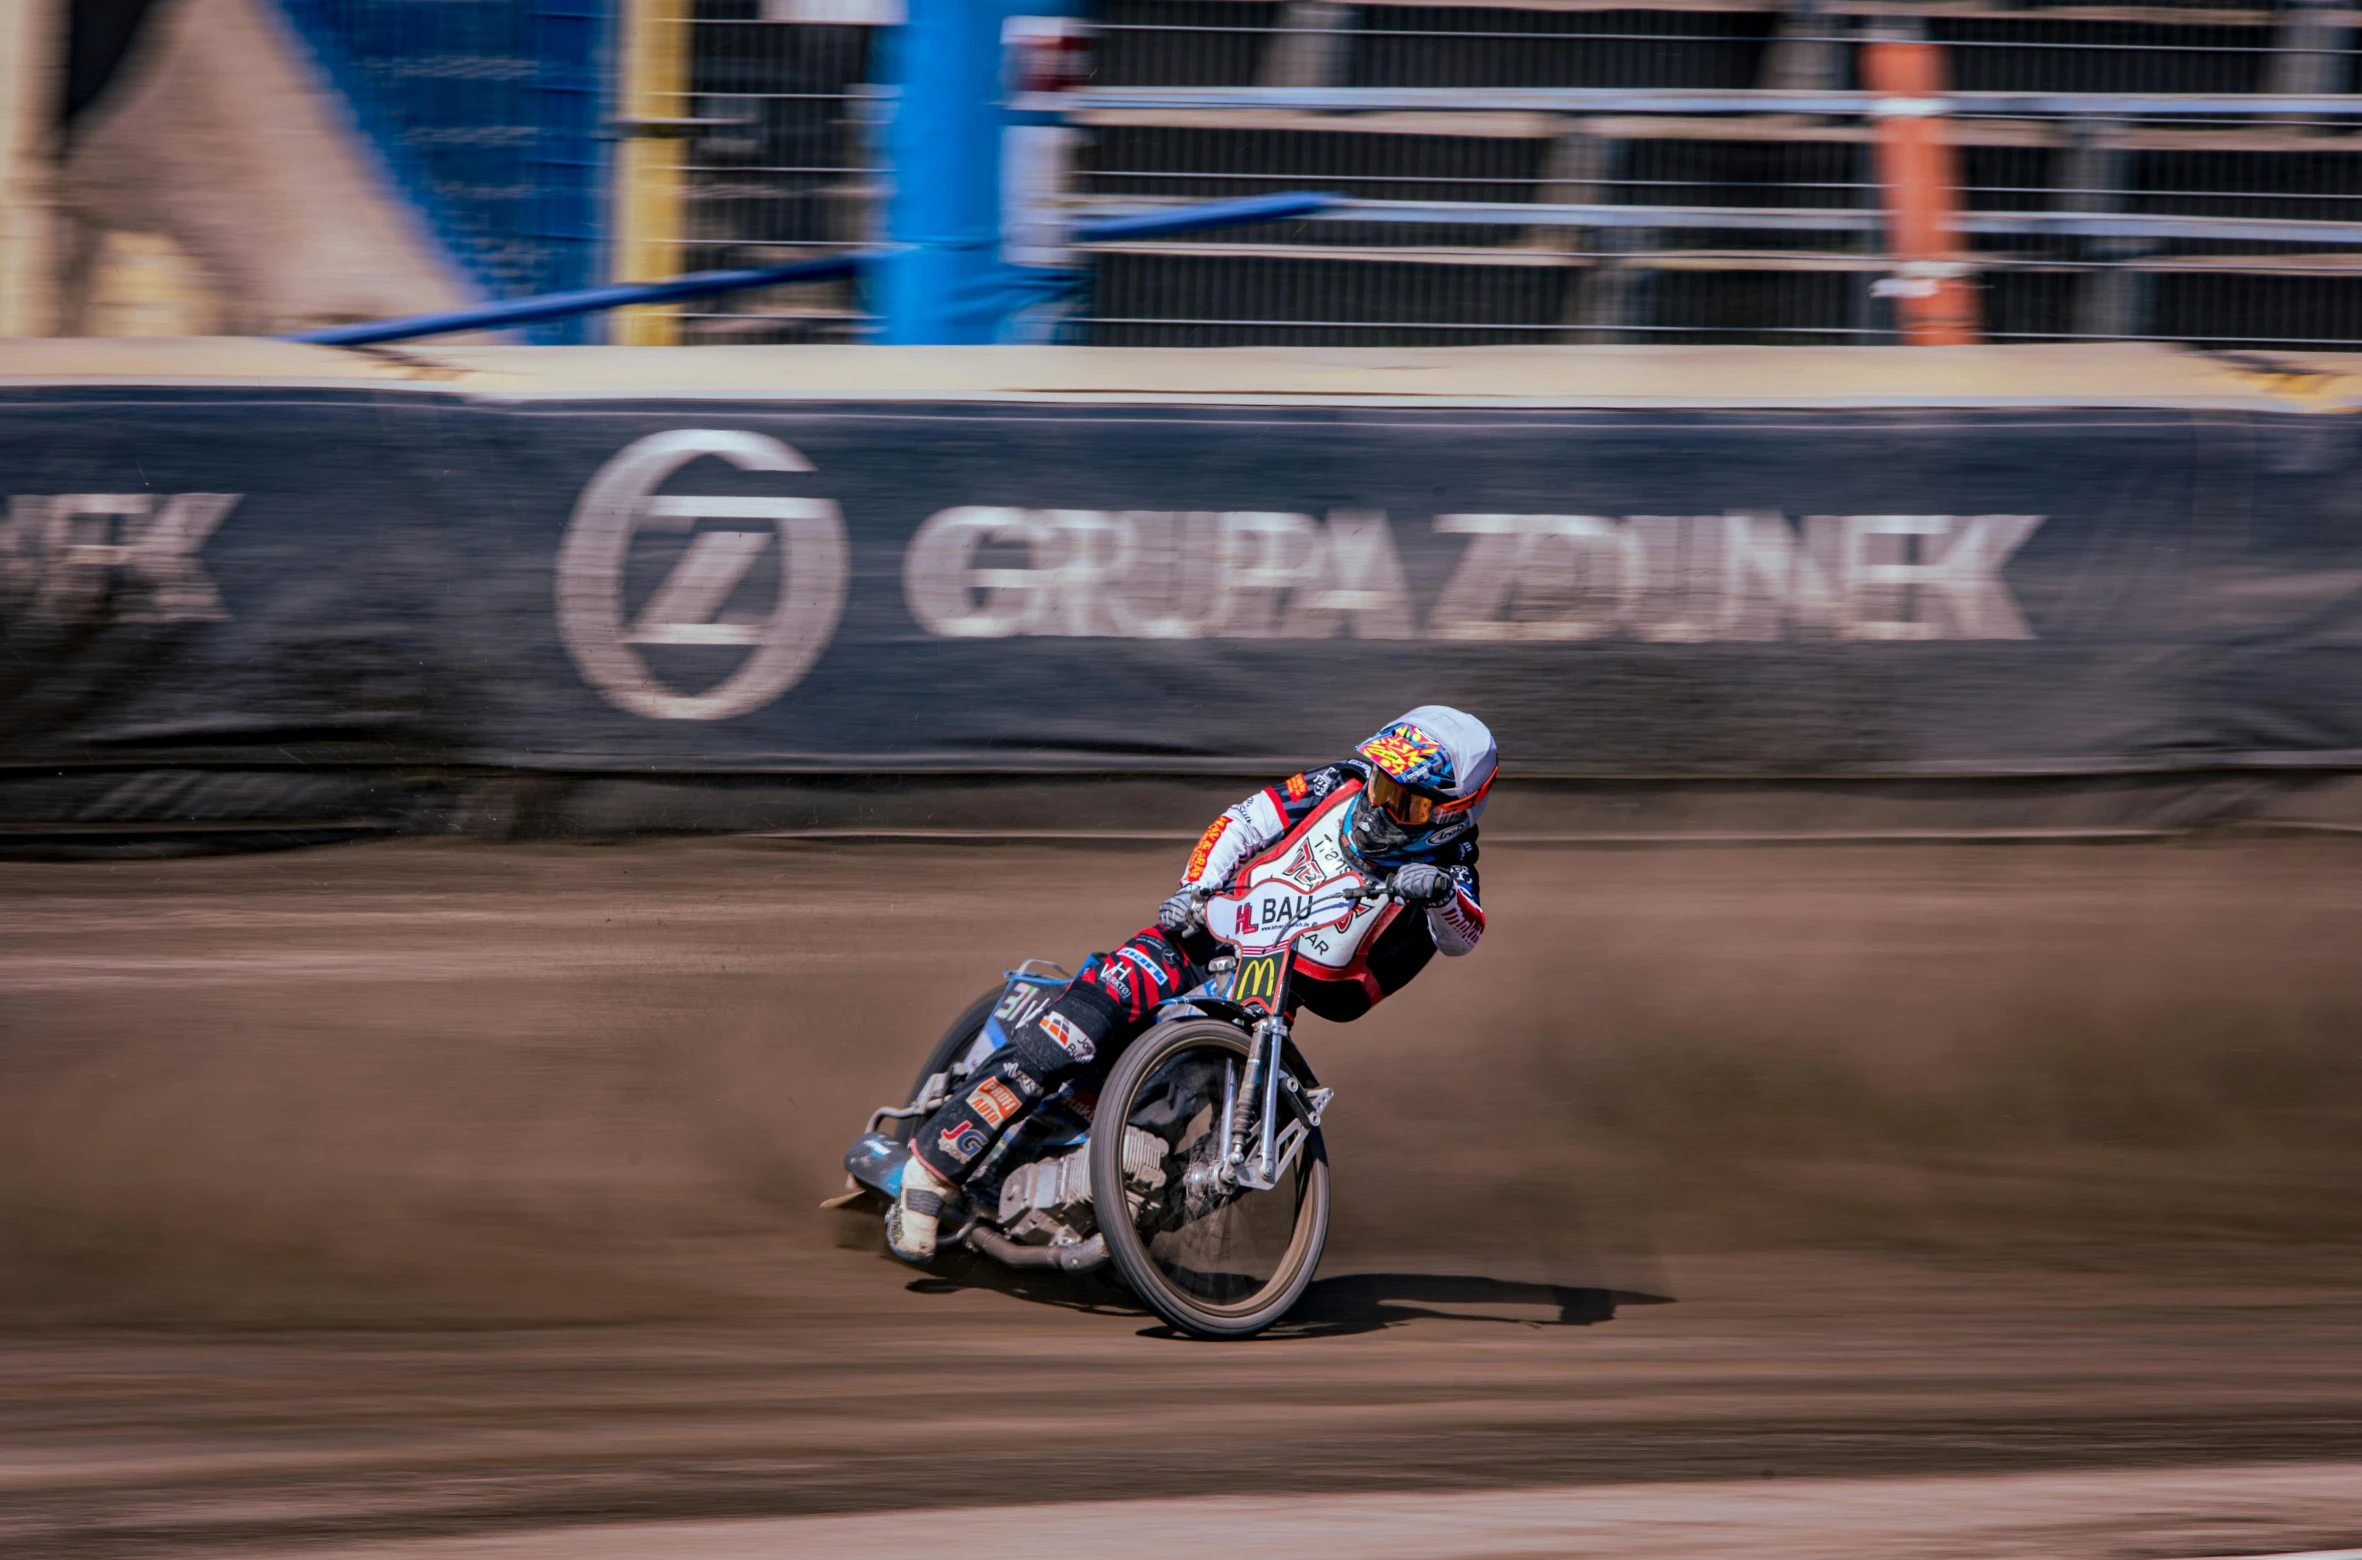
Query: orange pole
1919, 178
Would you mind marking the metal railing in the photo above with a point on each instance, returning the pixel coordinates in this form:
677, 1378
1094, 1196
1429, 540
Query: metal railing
2329, 110
2265, 46
775, 167
1549, 214
1572, 172
844, 264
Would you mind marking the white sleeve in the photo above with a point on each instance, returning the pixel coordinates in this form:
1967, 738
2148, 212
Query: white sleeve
1458, 922
1232, 838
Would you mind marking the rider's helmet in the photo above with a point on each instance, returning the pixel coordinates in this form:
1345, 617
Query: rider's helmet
1426, 779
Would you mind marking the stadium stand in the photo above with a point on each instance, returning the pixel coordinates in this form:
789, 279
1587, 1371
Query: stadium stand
1404, 282
1517, 173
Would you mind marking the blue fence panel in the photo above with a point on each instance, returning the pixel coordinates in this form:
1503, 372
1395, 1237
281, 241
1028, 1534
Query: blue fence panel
489, 114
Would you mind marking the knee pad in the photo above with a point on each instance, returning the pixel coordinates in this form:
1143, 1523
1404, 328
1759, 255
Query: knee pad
1068, 1033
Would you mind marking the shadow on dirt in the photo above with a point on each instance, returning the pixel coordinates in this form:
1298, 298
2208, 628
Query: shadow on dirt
1368, 1302
1331, 1308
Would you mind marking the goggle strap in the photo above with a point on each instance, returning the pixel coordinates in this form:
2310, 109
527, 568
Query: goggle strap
1466, 802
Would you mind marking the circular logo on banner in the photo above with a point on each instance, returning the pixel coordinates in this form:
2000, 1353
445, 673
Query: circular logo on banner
692, 605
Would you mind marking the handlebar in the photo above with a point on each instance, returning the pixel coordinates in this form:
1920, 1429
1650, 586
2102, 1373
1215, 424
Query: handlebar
1376, 888
1375, 891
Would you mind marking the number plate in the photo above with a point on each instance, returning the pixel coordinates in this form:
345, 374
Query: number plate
1254, 982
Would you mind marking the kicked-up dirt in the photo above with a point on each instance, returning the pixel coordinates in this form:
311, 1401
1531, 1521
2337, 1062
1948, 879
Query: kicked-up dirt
437, 1188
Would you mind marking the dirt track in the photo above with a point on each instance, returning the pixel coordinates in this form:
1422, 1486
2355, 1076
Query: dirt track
445, 1188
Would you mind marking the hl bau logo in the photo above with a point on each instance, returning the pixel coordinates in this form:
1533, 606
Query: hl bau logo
712, 593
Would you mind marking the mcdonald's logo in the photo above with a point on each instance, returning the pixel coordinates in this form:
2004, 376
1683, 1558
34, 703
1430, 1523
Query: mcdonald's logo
1256, 981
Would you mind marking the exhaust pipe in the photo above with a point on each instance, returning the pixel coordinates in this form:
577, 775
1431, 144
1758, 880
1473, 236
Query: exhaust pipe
1080, 1257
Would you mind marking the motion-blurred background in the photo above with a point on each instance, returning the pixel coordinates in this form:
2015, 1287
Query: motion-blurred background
1529, 173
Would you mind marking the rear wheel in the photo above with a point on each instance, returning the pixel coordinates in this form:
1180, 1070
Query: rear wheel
1220, 1264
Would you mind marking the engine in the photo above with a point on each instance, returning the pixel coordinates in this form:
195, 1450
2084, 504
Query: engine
1048, 1202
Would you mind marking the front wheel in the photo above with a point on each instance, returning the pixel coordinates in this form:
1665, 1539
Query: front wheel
1219, 1263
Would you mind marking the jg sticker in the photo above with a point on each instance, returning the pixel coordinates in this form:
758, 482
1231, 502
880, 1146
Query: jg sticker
689, 606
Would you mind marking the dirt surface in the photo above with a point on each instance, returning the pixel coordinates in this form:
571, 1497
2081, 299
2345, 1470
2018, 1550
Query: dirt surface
435, 1188
2177, 1511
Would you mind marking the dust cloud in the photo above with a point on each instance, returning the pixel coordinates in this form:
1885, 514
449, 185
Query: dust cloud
447, 1082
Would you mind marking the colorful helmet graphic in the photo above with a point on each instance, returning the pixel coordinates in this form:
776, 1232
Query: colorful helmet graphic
1428, 776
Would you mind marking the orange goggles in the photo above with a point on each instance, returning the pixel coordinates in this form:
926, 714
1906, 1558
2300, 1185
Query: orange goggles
1406, 806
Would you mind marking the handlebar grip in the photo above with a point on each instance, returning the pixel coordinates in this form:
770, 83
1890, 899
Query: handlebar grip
1397, 893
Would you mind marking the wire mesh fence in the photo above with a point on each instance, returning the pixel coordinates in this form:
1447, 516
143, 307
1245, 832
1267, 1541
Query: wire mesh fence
776, 166
2033, 45
1742, 224
1419, 277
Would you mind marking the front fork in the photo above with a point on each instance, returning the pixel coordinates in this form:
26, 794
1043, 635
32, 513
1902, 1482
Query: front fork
1259, 1149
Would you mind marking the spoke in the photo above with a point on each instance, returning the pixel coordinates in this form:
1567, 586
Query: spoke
1196, 1101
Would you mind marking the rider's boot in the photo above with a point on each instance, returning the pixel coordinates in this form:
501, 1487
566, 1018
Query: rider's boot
910, 1223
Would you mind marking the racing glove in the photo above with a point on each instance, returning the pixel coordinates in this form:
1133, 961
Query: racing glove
1421, 884
1177, 914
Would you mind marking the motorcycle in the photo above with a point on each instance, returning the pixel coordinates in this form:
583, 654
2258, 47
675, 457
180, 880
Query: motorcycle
1199, 1170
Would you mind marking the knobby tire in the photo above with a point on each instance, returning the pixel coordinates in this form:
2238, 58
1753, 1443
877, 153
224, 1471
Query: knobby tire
1130, 1251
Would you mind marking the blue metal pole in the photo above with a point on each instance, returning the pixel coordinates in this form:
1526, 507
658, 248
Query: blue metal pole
993, 290
1244, 212
944, 148
555, 306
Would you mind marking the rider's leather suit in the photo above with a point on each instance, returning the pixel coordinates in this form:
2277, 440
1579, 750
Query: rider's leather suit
1072, 1045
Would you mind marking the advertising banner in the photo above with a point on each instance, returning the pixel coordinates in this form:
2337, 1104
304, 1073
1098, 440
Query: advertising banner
727, 586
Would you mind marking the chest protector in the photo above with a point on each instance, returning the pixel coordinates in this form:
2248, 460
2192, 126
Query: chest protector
1309, 866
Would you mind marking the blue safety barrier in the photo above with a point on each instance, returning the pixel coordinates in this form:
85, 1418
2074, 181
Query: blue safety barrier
514, 312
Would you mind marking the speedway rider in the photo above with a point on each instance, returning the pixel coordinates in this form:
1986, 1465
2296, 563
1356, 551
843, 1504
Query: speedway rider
1404, 805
